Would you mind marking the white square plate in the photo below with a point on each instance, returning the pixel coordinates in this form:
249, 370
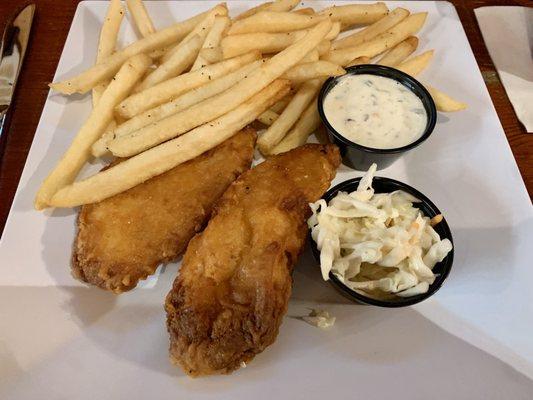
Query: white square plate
61, 339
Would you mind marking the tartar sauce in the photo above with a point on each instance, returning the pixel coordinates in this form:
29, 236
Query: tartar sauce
375, 111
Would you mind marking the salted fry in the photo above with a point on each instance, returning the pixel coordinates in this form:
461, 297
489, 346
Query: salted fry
417, 64
443, 102
109, 32
166, 156
304, 11
280, 105
266, 42
262, 41
400, 52
312, 56
108, 41
334, 32
170, 89
184, 56
216, 106
201, 29
282, 5
388, 39
80, 150
213, 55
323, 47
356, 14
278, 5
273, 22
105, 70
359, 61
182, 102
275, 133
364, 35
253, 10
142, 20
212, 40
307, 124
268, 117
304, 72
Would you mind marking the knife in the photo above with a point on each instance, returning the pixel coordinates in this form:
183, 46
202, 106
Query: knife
12, 50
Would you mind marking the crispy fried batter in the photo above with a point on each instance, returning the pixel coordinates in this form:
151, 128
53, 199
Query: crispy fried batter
123, 239
233, 287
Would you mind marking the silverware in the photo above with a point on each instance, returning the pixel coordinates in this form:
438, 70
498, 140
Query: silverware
12, 50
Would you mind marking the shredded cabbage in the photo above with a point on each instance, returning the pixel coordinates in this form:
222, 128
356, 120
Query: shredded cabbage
320, 318
377, 243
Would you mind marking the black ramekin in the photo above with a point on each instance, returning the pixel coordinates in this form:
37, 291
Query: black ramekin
441, 270
361, 157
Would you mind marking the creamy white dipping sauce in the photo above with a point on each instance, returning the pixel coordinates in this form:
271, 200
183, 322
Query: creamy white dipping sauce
375, 111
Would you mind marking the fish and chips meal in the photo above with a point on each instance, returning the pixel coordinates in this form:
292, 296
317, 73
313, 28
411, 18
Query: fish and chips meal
177, 117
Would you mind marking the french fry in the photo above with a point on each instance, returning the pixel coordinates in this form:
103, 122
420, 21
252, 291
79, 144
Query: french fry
323, 47
364, 35
274, 22
443, 102
282, 5
334, 32
216, 106
167, 90
359, 61
388, 39
99, 148
304, 72
80, 150
275, 133
278, 5
356, 14
182, 102
105, 70
108, 41
307, 124
200, 29
213, 55
400, 52
142, 20
280, 105
182, 58
266, 42
417, 64
166, 156
268, 117
312, 56
304, 11
262, 41
253, 10
212, 39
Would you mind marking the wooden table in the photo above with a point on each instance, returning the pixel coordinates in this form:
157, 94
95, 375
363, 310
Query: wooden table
50, 28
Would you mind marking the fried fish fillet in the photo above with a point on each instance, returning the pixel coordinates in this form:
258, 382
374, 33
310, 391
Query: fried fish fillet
123, 239
233, 287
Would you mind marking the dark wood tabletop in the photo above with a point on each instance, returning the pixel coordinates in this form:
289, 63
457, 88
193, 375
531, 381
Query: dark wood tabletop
50, 28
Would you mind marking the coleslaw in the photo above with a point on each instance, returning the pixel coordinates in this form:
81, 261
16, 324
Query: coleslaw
377, 244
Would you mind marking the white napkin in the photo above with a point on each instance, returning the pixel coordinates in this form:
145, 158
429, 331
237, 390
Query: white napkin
508, 34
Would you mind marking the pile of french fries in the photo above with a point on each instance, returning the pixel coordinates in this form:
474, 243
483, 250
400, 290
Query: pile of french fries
180, 91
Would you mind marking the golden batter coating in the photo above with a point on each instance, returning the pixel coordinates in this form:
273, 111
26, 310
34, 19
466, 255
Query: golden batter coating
233, 287
123, 239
